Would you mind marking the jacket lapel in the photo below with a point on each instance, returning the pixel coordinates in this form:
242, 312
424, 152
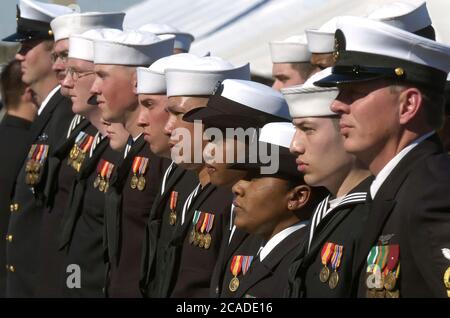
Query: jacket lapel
266, 268
42, 120
384, 201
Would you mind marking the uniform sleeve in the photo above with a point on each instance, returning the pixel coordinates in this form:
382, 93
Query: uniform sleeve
429, 223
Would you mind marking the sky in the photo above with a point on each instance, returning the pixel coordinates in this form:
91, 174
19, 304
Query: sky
8, 10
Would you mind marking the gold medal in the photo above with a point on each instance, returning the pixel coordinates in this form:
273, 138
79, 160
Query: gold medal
74, 152
36, 167
29, 166
390, 281
334, 279
102, 185
28, 178
197, 239
141, 183
392, 293
106, 186
97, 181
172, 218
447, 278
192, 237
207, 241
234, 284
201, 240
134, 182
324, 274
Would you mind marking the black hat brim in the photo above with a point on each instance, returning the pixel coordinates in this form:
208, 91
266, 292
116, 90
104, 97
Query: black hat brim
334, 80
16, 37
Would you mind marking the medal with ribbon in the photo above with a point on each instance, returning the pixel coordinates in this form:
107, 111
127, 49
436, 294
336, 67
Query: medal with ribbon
198, 226
374, 281
236, 266
389, 272
83, 144
98, 178
35, 163
335, 263
201, 242
104, 171
207, 237
135, 168
173, 206
142, 170
325, 255
193, 234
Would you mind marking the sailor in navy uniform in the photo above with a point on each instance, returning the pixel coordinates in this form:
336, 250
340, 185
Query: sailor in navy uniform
323, 266
404, 248
134, 184
54, 116
234, 104
14, 137
182, 268
69, 158
281, 224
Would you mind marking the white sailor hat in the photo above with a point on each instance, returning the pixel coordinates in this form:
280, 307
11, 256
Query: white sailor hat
33, 20
81, 46
240, 103
322, 40
77, 23
294, 49
408, 16
368, 49
195, 76
132, 48
279, 134
308, 100
183, 40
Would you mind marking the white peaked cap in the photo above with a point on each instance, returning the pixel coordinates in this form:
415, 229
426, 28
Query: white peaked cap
39, 11
369, 36
81, 46
77, 23
257, 96
291, 50
280, 134
308, 100
132, 47
322, 40
407, 16
194, 75
183, 40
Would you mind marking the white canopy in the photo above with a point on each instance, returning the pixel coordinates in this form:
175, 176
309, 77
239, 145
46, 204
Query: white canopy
240, 30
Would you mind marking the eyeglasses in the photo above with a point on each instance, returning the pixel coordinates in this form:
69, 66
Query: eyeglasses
77, 75
64, 56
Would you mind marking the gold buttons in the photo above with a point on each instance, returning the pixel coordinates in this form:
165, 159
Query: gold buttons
9, 238
399, 71
11, 207
50, 32
12, 269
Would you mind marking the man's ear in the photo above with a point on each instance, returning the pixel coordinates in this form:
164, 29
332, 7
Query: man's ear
411, 101
298, 197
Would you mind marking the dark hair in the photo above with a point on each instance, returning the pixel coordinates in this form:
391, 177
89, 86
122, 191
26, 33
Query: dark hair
12, 87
